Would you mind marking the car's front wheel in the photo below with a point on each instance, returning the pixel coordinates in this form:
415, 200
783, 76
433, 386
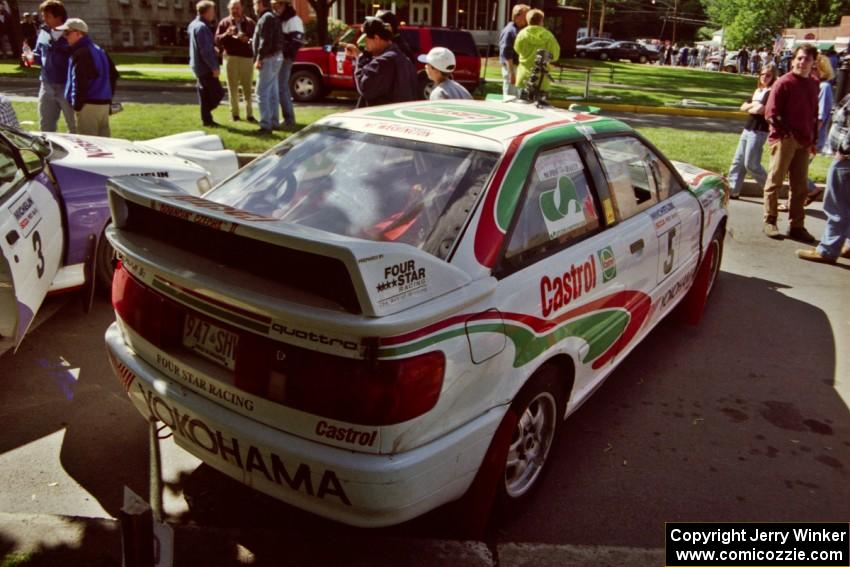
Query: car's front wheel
603, 56
305, 85
642, 59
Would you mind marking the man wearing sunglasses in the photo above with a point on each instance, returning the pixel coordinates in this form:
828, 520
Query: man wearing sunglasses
383, 73
91, 80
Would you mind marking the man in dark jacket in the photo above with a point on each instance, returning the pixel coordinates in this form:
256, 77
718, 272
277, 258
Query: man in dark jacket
268, 58
51, 52
292, 29
204, 61
91, 80
383, 73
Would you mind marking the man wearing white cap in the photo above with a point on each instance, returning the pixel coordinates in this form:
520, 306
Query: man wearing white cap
439, 64
91, 80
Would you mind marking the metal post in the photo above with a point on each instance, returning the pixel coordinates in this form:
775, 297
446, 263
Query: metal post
155, 472
586, 84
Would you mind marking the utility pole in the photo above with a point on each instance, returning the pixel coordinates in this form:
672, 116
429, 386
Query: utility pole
675, 9
601, 18
589, 17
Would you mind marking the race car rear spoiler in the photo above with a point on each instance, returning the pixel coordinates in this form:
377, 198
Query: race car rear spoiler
325, 270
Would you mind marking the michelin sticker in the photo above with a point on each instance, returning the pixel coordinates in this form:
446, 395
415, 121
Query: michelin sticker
561, 208
26, 213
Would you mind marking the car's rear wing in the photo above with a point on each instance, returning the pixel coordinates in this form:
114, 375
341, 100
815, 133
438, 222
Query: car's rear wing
315, 267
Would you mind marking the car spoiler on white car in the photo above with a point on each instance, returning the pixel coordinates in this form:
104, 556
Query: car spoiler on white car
207, 150
157, 224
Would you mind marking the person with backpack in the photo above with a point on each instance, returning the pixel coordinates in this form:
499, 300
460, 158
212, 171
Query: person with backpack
835, 241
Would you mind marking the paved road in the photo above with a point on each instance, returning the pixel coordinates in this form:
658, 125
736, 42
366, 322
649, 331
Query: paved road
742, 418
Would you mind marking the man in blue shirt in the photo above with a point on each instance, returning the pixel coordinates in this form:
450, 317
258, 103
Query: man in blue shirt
268, 59
91, 80
52, 53
204, 61
507, 56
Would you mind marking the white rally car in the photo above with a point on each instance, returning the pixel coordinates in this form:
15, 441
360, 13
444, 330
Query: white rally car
360, 318
53, 207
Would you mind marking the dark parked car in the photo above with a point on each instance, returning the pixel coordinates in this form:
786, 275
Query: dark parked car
582, 50
319, 70
633, 51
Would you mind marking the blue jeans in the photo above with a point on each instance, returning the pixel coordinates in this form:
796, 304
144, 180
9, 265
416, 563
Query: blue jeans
508, 88
283, 90
51, 103
747, 158
267, 93
836, 205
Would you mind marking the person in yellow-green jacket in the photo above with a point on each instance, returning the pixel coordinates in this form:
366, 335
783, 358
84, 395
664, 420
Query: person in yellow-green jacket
531, 38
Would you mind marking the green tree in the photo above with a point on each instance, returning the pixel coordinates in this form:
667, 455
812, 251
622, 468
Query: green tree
757, 22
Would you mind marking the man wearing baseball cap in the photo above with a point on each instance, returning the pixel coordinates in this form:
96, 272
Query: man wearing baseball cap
91, 80
383, 74
439, 65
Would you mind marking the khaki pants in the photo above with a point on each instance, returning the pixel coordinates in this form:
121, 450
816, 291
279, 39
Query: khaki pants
93, 120
787, 156
240, 73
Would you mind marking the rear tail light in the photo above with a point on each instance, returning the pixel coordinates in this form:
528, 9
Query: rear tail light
365, 392
145, 311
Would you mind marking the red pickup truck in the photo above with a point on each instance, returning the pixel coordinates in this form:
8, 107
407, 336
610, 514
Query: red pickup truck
319, 70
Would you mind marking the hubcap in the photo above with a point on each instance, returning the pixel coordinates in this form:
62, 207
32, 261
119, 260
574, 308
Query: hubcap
304, 87
530, 444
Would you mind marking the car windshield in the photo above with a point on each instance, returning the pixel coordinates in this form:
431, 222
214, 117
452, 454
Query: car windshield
365, 186
599, 44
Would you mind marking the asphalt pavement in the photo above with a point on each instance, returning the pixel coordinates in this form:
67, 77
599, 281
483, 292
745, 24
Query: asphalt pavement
742, 418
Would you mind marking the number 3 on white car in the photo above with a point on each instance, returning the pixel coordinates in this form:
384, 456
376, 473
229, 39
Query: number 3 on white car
399, 305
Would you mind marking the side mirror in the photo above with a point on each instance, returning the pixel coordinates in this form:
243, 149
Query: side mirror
328, 48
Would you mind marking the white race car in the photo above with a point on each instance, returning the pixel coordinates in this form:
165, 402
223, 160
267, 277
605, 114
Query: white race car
53, 207
359, 319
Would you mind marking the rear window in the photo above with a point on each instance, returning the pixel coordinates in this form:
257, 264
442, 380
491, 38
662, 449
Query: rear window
460, 43
365, 186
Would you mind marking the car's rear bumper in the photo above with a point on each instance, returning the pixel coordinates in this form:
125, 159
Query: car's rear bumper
355, 488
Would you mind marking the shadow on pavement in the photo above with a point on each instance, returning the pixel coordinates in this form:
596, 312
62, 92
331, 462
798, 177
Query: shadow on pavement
735, 420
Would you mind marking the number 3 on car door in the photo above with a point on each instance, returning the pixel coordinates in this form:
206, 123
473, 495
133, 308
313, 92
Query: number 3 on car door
31, 242
668, 251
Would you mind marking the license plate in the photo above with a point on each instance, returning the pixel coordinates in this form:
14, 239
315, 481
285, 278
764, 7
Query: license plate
210, 341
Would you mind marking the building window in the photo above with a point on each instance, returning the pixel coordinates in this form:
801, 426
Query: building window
147, 38
127, 38
124, 2
178, 4
162, 3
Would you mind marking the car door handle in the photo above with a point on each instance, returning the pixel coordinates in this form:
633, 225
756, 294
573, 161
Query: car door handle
12, 236
636, 246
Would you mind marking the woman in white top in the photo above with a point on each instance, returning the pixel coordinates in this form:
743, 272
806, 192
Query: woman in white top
439, 64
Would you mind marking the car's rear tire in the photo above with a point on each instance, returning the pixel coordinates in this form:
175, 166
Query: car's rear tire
642, 59
105, 261
603, 56
525, 435
306, 86
692, 306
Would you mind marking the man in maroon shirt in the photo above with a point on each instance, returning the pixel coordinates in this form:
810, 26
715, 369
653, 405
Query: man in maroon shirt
233, 36
791, 111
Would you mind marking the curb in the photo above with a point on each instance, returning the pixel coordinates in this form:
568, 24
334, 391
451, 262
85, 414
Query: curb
41, 539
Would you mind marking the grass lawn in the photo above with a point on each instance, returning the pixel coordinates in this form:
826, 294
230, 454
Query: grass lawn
625, 83
712, 151
634, 83
145, 121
